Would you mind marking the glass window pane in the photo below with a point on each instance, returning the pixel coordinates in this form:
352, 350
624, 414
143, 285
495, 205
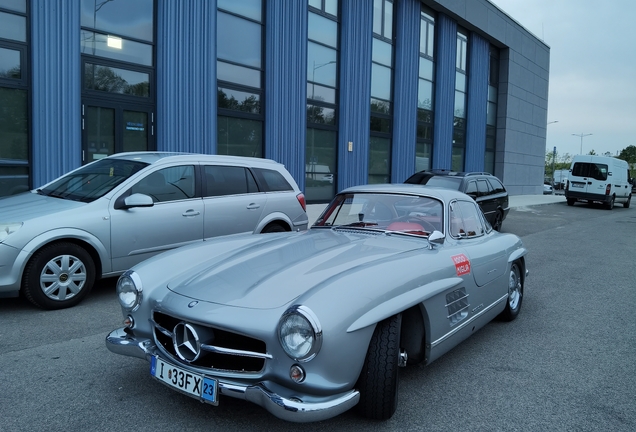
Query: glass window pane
10, 64
431, 41
426, 69
380, 124
16, 5
460, 81
322, 115
320, 93
492, 94
380, 82
425, 95
379, 160
238, 74
239, 100
122, 17
331, 7
114, 80
247, 8
458, 159
238, 40
321, 64
380, 106
316, 3
491, 114
320, 165
388, 19
460, 104
422, 156
382, 52
239, 137
135, 131
13, 124
116, 48
225, 180
100, 125
377, 16
12, 27
324, 30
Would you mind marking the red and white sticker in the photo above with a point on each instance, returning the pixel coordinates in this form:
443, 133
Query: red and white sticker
462, 264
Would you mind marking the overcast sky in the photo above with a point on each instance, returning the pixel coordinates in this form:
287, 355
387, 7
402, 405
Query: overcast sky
592, 70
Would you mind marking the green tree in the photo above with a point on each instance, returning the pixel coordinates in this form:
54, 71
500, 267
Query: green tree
628, 154
592, 152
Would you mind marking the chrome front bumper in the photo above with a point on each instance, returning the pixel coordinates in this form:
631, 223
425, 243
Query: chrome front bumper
119, 342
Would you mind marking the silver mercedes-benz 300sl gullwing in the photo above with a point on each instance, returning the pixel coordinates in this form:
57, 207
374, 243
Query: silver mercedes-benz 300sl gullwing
311, 324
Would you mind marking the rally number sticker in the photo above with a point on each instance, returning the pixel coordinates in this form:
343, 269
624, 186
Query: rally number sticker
462, 264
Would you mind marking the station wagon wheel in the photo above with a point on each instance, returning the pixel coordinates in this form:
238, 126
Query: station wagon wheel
378, 381
515, 293
498, 221
58, 276
273, 228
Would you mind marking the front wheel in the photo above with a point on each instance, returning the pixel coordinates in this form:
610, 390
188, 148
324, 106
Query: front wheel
58, 276
515, 293
378, 382
498, 221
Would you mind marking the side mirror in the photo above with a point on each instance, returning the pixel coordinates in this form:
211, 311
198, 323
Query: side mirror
436, 238
136, 200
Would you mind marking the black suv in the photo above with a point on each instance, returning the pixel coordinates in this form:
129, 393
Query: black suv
486, 189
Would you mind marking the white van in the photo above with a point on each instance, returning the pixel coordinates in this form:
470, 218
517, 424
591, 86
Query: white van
599, 179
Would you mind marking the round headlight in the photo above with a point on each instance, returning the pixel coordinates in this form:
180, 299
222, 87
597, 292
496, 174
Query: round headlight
129, 290
300, 333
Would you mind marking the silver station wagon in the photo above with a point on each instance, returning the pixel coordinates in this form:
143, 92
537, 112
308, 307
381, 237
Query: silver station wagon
311, 324
105, 217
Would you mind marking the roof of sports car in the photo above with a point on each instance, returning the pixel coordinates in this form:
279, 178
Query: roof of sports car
432, 191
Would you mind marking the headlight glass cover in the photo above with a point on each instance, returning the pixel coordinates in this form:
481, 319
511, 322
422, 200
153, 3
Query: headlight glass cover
129, 290
6, 229
300, 333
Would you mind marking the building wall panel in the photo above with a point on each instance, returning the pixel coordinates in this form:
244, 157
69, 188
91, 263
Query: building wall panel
478, 64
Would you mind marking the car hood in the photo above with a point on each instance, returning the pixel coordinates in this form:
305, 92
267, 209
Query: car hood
268, 271
30, 205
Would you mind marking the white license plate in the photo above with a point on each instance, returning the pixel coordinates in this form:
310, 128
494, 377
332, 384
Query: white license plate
188, 382
577, 185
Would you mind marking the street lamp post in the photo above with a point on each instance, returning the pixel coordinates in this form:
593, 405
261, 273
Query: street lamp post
582, 135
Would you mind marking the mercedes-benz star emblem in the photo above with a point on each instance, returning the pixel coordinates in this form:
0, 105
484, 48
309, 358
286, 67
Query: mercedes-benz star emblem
186, 342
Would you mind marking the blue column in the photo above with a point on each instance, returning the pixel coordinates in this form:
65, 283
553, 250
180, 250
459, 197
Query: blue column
478, 64
286, 85
186, 76
355, 92
56, 93
445, 53
407, 51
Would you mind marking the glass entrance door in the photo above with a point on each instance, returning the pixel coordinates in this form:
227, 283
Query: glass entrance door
114, 128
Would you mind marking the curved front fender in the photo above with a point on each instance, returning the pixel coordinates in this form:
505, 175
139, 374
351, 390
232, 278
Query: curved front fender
402, 302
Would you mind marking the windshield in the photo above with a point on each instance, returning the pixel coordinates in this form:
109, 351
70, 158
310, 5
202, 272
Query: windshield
388, 212
93, 180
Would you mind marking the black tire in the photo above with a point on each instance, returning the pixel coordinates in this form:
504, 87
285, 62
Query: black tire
515, 293
273, 228
610, 204
498, 221
629, 200
378, 382
571, 201
58, 276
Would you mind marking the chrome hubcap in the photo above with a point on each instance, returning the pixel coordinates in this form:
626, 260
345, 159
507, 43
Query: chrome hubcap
514, 288
63, 277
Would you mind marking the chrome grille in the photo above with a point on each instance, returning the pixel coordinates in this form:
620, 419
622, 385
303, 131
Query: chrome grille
457, 305
217, 349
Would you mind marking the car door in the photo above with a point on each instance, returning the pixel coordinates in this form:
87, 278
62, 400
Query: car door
485, 263
175, 219
231, 199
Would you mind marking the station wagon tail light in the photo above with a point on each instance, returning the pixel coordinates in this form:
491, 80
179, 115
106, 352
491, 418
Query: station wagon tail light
299, 333
301, 200
129, 290
608, 189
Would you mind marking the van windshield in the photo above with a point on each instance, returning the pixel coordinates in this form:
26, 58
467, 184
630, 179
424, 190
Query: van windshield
587, 169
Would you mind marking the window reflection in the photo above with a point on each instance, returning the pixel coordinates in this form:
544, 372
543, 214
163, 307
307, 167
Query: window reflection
121, 17
115, 48
10, 64
238, 74
247, 8
114, 80
239, 137
238, 40
425, 95
15, 5
239, 100
12, 27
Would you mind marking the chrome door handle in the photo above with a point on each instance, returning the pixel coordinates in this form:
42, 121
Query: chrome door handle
190, 213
